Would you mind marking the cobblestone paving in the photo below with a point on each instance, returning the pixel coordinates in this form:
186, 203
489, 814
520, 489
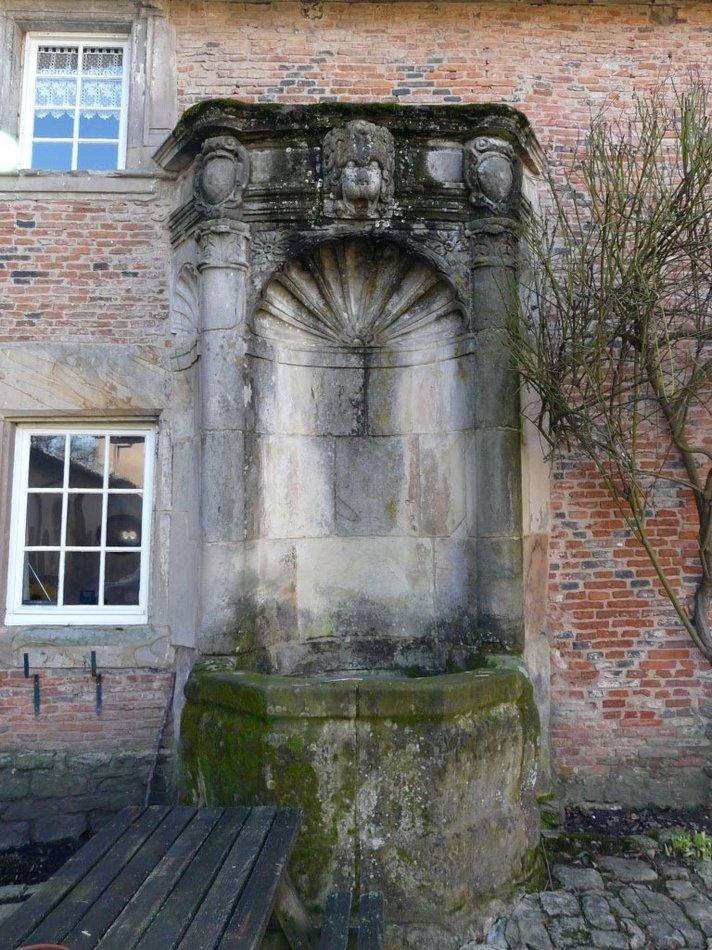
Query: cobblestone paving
622, 902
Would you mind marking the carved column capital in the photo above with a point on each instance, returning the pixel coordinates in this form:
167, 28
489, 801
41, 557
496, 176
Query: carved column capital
221, 173
222, 243
492, 174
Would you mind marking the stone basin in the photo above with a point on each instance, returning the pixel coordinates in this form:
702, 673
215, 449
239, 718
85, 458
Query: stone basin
422, 787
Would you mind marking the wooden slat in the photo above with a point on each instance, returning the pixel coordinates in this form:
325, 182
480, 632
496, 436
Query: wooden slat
214, 913
177, 912
82, 896
33, 911
370, 923
337, 916
140, 911
248, 923
91, 927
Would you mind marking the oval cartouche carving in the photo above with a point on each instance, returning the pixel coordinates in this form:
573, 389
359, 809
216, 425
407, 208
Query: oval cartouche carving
359, 293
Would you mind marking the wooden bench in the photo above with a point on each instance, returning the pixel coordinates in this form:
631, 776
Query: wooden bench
337, 918
157, 878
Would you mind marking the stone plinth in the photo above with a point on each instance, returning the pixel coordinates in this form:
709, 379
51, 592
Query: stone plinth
422, 787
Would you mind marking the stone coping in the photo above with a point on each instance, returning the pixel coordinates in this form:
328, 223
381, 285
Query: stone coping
360, 696
127, 183
262, 121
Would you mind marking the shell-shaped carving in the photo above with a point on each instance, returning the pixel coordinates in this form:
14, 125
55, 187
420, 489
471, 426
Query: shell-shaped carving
359, 293
185, 303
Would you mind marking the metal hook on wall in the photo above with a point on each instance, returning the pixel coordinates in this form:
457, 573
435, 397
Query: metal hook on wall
98, 680
36, 678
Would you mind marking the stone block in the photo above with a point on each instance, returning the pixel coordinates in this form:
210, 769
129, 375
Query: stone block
223, 504
385, 581
60, 783
455, 576
499, 493
319, 400
222, 390
14, 784
390, 410
13, 834
459, 381
428, 409
297, 486
443, 483
58, 827
496, 396
376, 485
36, 760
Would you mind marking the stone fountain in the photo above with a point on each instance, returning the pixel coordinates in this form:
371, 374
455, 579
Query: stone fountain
342, 280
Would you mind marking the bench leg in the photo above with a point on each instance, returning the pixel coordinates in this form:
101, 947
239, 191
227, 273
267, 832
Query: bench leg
293, 917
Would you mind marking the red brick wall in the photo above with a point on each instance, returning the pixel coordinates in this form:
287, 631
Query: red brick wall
87, 269
628, 689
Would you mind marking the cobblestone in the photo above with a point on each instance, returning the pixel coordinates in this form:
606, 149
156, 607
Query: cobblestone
634, 904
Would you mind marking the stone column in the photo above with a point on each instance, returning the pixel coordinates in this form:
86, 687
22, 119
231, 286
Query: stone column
222, 263
493, 176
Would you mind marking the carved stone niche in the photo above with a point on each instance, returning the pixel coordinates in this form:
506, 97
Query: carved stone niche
222, 171
492, 173
359, 164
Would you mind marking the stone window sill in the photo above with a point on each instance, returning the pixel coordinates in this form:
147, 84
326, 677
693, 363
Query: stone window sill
124, 182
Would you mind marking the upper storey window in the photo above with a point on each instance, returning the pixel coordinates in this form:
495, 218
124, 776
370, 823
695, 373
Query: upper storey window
74, 103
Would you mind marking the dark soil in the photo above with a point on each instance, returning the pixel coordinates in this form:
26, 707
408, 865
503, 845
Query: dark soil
617, 821
36, 862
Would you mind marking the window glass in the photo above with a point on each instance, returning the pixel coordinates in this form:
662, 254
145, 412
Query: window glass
77, 102
79, 535
40, 578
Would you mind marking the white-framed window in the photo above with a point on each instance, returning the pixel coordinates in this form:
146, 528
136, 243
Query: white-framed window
74, 102
80, 525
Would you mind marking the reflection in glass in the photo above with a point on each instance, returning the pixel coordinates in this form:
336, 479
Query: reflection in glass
53, 125
84, 519
55, 93
86, 461
103, 60
98, 125
46, 461
44, 519
52, 156
122, 577
97, 156
40, 579
126, 461
81, 577
57, 59
101, 92
123, 521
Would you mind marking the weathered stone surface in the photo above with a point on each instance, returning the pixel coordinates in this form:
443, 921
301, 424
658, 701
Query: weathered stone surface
628, 869
59, 827
526, 927
578, 879
430, 825
558, 903
597, 911
13, 834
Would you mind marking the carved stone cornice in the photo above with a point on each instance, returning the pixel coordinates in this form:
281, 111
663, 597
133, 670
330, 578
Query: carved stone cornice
222, 243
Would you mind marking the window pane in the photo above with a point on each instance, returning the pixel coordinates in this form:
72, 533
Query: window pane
97, 157
84, 520
126, 461
122, 579
101, 92
53, 125
81, 577
102, 60
44, 519
55, 92
98, 125
52, 156
57, 59
123, 521
46, 461
40, 577
86, 461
